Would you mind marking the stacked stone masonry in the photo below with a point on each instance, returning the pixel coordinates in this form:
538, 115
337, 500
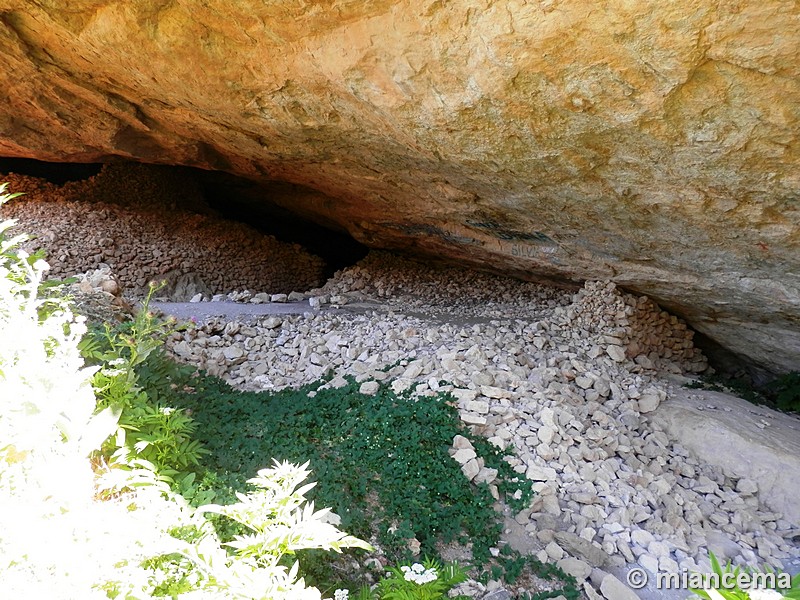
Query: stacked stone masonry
129, 220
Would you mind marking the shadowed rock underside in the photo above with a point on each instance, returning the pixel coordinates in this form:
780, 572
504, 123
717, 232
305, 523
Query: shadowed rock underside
655, 145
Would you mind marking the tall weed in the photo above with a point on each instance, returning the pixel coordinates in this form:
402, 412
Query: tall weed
136, 379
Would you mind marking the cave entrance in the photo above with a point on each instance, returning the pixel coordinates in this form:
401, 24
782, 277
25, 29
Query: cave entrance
238, 199
229, 197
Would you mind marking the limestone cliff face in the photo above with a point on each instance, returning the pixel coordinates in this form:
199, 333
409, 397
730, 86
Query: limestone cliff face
652, 143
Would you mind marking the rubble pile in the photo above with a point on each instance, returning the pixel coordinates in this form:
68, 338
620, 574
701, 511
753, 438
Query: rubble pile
146, 227
567, 381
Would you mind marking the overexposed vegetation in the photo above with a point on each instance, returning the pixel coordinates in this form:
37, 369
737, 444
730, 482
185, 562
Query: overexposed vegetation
75, 524
56, 539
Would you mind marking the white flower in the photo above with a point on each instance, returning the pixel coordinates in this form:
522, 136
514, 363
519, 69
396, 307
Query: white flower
764, 595
418, 574
340, 594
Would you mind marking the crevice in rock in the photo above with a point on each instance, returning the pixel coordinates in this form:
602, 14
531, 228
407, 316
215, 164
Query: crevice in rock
239, 199
729, 365
54, 172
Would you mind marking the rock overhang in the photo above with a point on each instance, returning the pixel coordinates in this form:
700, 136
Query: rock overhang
655, 146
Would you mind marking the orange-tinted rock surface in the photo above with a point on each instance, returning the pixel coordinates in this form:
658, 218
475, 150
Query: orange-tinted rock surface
655, 144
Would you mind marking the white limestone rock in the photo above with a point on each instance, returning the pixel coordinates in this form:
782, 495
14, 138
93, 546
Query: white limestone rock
369, 388
471, 468
464, 455
613, 589
579, 569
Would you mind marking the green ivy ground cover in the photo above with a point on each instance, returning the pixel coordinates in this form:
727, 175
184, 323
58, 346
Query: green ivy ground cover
381, 462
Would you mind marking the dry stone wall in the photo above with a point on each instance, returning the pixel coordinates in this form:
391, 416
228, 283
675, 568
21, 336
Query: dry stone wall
635, 327
150, 224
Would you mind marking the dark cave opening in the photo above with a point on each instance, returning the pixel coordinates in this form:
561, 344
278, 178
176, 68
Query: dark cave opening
230, 197
56, 173
239, 199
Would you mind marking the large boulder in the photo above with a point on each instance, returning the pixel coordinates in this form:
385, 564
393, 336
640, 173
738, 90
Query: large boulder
757, 445
654, 144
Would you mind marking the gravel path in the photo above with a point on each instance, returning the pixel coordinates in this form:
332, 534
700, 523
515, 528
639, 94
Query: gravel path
230, 310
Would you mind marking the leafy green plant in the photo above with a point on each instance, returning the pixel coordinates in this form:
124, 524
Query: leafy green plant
195, 493
786, 391
279, 523
52, 524
724, 584
258, 565
429, 580
137, 380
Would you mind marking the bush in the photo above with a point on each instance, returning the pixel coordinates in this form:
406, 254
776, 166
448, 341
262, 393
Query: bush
420, 581
786, 391
50, 526
58, 539
279, 524
137, 380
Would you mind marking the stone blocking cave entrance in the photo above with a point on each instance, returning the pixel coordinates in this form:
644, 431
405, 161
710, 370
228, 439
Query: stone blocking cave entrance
241, 201
229, 197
